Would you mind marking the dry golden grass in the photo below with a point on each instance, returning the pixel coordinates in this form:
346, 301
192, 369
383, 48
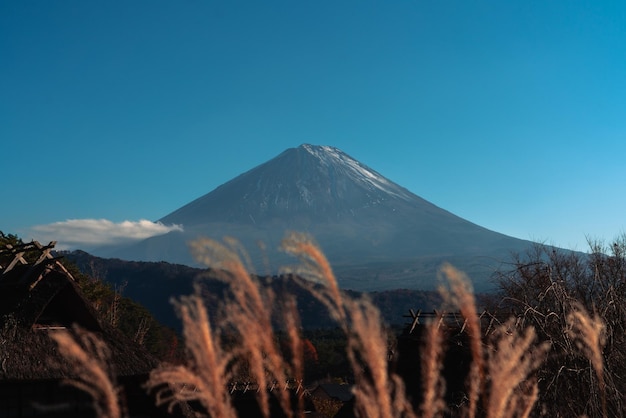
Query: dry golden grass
511, 360
506, 364
500, 382
588, 333
433, 383
204, 379
315, 267
296, 344
88, 356
249, 314
377, 392
459, 294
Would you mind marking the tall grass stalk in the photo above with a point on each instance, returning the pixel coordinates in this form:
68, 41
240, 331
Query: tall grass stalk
249, 313
589, 335
296, 345
512, 359
459, 293
315, 267
88, 357
205, 378
378, 393
501, 371
433, 383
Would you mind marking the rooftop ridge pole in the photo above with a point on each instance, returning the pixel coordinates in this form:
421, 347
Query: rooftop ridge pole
45, 251
18, 257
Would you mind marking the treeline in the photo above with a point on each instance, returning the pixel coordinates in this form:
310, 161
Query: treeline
154, 284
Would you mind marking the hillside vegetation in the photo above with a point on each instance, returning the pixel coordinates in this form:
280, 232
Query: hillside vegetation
550, 291
154, 284
127, 315
551, 344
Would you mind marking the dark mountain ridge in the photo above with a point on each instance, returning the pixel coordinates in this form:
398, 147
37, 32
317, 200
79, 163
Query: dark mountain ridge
156, 285
377, 234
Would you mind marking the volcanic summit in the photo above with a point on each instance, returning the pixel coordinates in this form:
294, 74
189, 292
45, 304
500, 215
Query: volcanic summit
376, 234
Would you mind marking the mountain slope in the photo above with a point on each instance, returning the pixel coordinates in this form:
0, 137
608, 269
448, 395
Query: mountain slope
376, 233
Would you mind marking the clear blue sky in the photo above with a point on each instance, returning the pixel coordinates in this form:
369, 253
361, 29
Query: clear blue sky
511, 114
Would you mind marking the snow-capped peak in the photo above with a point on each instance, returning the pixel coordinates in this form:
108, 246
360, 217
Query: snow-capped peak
331, 156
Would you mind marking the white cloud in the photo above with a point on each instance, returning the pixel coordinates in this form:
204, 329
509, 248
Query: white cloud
90, 233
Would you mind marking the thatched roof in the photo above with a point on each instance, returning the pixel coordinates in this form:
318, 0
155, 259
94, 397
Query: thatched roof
41, 297
340, 392
40, 294
33, 355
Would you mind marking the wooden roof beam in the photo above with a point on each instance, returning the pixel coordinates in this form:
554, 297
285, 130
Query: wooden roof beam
17, 258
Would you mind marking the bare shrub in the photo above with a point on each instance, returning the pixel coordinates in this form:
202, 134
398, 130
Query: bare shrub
588, 333
552, 290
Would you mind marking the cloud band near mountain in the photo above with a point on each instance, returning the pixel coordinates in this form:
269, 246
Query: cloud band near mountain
90, 233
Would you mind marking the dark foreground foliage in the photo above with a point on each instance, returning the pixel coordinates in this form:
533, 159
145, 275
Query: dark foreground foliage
542, 289
561, 354
127, 315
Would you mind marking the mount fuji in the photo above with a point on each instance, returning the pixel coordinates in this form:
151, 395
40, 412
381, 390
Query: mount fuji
376, 234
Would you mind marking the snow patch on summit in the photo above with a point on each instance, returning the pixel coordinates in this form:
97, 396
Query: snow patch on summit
331, 156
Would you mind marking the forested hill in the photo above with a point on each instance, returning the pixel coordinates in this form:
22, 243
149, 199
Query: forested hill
111, 306
156, 284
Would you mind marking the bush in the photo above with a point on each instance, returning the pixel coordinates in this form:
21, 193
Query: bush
545, 289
